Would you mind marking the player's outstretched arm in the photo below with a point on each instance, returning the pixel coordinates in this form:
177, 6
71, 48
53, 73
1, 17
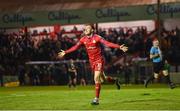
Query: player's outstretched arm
123, 48
113, 45
62, 53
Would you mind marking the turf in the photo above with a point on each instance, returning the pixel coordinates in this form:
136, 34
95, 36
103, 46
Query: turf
135, 97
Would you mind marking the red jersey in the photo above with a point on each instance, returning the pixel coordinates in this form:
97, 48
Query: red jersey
93, 48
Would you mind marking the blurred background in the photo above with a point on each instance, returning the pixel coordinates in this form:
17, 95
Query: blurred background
33, 32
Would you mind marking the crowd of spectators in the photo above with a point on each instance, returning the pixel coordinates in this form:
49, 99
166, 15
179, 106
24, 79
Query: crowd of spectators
17, 49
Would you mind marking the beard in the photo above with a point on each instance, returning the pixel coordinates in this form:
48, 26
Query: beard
88, 34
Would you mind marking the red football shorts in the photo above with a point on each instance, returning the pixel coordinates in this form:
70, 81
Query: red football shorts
97, 65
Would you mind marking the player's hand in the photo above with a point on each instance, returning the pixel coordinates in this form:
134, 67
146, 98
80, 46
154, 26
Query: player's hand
61, 54
124, 48
156, 55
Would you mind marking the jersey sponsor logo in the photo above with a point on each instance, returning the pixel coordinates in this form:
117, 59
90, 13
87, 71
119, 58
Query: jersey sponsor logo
91, 47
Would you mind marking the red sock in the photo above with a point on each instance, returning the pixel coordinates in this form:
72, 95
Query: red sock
98, 88
110, 79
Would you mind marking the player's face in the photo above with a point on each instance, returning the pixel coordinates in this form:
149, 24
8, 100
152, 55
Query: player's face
156, 43
88, 30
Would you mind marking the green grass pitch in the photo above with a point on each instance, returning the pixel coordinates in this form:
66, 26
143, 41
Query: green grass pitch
134, 97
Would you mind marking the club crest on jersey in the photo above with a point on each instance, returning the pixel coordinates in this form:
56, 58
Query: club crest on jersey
84, 42
94, 41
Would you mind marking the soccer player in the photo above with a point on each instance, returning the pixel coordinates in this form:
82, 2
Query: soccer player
158, 65
92, 43
72, 74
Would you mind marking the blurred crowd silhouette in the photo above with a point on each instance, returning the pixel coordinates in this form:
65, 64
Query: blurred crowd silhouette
17, 49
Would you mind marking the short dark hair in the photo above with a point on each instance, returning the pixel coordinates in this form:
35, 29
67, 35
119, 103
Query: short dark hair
92, 25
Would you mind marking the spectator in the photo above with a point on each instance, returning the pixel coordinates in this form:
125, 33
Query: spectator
127, 73
1, 76
21, 74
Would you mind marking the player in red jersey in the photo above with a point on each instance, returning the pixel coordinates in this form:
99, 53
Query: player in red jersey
92, 43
